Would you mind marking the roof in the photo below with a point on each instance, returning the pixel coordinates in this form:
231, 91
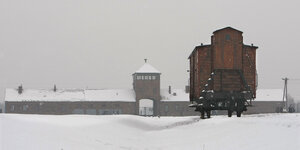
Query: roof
104, 95
177, 95
110, 95
126, 95
261, 95
200, 46
250, 46
227, 28
147, 68
269, 95
116, 95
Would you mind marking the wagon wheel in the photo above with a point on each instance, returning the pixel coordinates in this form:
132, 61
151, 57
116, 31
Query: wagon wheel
229, 113
240, 107
208, 113
230, 108
202, 114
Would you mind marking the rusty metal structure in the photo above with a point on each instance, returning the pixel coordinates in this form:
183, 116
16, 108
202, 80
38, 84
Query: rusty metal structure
223, 74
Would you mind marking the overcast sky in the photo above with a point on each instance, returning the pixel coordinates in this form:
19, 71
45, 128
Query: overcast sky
99, 44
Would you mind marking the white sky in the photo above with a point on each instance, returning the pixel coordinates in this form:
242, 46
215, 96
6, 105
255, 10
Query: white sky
99, 44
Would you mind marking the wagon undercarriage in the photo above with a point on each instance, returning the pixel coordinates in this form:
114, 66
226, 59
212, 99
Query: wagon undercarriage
232, 102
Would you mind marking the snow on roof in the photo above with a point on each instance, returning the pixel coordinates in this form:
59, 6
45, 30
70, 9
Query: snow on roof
176, 95
117, 95
71, 95
110, 95
147, 68
269, 95
261, 95
44, 95
127, 95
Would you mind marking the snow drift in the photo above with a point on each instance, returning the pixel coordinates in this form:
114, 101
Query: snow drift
76, 132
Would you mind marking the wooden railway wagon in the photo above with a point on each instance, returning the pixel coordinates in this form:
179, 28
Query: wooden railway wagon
223, 74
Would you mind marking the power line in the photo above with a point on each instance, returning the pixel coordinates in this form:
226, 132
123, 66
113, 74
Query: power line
294, 79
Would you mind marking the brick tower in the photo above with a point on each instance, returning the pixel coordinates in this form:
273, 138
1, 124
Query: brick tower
146, 84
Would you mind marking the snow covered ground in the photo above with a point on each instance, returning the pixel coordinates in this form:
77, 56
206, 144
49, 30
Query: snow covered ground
78, 132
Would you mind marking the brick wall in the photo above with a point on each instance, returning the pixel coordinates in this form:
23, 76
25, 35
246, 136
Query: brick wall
263, 107
249, 66
146, 88
227, 49
101, 108
61, 108
177, 109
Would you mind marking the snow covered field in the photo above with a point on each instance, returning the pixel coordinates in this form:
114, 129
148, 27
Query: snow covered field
72, 132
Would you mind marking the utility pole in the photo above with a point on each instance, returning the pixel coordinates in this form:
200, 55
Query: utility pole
284, 103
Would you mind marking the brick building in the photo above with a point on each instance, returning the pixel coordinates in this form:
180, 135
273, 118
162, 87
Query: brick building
146, 85
146, 98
